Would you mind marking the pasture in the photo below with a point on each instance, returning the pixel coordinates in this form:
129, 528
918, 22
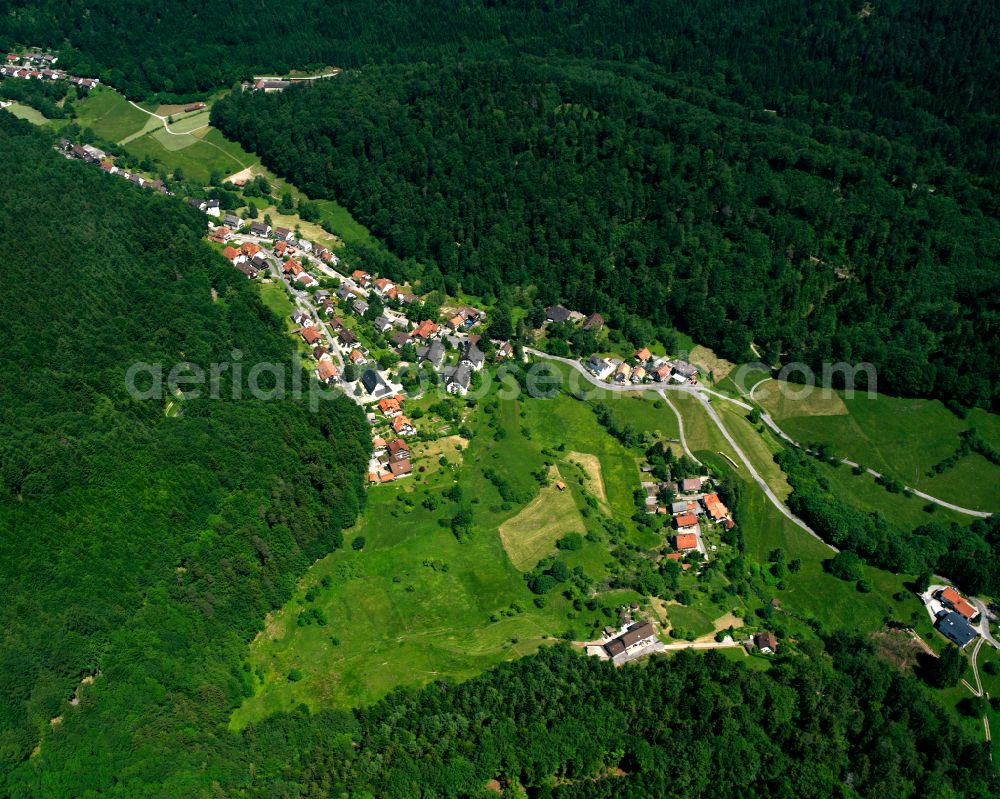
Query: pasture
900, 437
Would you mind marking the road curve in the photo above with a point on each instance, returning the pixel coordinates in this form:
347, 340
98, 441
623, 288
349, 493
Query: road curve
680, 427
765, 418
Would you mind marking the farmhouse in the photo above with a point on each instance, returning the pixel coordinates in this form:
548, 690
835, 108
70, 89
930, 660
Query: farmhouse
766, 642
636, 637
950, 598
400, 468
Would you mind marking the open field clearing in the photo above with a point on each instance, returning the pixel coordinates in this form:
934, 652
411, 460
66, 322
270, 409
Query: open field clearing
109, 115
903, 438
591, 466
532, 534
27, 113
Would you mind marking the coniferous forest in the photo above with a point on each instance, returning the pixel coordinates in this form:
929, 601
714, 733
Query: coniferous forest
816, 178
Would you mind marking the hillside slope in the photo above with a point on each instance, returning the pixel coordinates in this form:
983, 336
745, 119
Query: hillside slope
139, 550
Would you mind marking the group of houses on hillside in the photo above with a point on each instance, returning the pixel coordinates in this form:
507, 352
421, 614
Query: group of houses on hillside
390, 453
97, 157
40, 66
644, 367
690, 506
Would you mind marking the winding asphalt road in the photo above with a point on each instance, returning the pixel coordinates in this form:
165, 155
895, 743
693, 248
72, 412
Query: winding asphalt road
766, 418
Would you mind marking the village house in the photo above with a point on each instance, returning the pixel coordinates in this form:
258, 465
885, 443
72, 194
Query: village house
391, 406
456, 379
766, 642
360, 307
434, 353
326, 372
305, 245
282, 234
682, 370
250, 250
260, 229
398, 449
212, 208
505, 350
638, 375
320, 352
593, 322
302, 318
402, 426
642, 355
383, 285
269, 86
347, 338
310, 335
950, 598
400, 339
375, 384
685, 542
233, 255
249, 270
686, 522
599, 367
426, 330
472, 356
357, 356
280, 248
661, 373
716, 510
623, 373
307, 280
556, 313
232, 221
955, 627
361, 277
400, 468
691, 484
382, 323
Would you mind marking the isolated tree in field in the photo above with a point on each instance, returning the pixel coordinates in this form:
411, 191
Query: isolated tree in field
846, 565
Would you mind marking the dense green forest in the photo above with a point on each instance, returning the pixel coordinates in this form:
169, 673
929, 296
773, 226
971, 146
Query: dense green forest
631, 191
138, 548
968, 555
816, 177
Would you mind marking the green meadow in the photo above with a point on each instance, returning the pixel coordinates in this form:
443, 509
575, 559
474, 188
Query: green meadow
109, 115
900, 437
415, 603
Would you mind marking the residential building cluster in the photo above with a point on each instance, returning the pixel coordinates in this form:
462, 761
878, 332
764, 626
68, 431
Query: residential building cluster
97, 157
39, 66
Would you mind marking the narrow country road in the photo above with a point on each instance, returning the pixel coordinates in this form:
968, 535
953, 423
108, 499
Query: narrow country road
680, 427
765, 418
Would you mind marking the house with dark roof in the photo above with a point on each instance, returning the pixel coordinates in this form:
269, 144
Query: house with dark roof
637, 636
456, 379
557, 313
955, 627
375, 384
433, 352
472, 356
260, 229
593, 322
766, 642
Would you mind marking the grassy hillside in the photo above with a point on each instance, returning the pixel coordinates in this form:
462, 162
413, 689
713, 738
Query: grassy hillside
899, 437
